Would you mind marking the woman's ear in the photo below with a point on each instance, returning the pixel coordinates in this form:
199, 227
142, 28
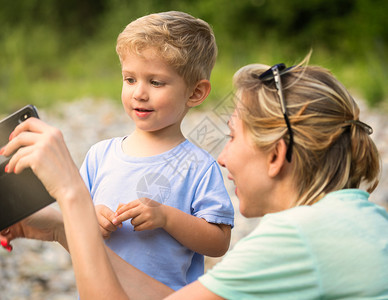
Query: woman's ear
200, 92
277, 158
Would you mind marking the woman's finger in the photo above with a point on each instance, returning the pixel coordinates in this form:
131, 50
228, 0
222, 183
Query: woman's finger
5, 231
14, 162
6, 245
6, 236
45, 152
32, 125
22, 140
5, 239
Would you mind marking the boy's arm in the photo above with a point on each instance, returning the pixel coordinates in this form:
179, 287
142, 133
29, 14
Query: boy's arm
197, 234
194, 233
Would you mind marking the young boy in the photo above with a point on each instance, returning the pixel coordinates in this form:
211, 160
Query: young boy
160, 201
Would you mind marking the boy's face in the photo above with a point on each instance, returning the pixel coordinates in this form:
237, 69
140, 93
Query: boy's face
153, 93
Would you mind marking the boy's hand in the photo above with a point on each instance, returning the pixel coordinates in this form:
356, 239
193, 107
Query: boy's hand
146, 214
105, 216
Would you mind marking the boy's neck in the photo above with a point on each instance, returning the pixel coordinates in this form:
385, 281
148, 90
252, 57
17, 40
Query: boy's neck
143, 144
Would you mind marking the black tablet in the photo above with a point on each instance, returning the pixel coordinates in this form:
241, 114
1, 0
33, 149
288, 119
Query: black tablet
20, 194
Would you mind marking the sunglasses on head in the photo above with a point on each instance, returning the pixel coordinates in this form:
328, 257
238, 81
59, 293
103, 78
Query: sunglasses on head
274, 73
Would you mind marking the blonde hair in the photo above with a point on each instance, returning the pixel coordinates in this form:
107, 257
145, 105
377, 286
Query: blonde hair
184, 42
332, 149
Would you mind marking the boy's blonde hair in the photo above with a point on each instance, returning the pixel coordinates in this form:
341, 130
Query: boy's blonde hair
184, 42
332, 149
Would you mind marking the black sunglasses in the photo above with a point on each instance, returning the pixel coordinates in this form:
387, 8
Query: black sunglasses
274, 73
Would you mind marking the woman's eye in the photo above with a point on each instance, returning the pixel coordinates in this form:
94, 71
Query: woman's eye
229, 136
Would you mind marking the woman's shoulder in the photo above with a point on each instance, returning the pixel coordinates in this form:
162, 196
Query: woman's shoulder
342, 213
339, 204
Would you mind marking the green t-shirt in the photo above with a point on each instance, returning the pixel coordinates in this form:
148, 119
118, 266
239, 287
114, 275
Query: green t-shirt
334, 249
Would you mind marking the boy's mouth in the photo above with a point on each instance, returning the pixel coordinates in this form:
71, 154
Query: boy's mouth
143, 110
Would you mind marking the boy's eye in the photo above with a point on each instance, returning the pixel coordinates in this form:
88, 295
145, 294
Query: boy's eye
156, 83
130, 80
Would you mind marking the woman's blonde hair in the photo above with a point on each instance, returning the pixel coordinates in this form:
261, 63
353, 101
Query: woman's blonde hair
332, 149
186, 43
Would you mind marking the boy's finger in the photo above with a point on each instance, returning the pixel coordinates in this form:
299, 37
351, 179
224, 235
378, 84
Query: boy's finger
142, 226
126, 215
105, 212
106, 223
105, 234
149, 202
125, 207
138, 220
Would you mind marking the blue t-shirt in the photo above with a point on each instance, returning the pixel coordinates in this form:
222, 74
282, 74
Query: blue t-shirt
185, 177
334, 249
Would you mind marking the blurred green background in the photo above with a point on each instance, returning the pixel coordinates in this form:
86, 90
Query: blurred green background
64, 50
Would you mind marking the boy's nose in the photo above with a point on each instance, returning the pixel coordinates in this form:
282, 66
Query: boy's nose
140, 92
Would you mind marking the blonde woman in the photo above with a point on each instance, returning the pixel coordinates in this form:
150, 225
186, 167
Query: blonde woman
297, 154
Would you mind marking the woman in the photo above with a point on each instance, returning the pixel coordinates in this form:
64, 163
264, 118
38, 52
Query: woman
297, 154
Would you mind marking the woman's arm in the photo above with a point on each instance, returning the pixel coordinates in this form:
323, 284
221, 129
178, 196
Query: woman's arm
194, 291
48, 225
87, 248
136, 283
42, 148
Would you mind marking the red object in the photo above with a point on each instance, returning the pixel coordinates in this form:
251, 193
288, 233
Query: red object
6, 246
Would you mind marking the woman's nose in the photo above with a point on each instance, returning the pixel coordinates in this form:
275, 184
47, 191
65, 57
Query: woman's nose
221, 157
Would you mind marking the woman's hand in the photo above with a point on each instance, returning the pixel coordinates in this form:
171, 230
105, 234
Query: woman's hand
44, 225
42, 148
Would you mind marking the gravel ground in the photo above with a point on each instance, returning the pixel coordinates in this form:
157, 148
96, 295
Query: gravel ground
37, 270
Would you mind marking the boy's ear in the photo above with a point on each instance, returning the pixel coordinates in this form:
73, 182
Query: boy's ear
200, 92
